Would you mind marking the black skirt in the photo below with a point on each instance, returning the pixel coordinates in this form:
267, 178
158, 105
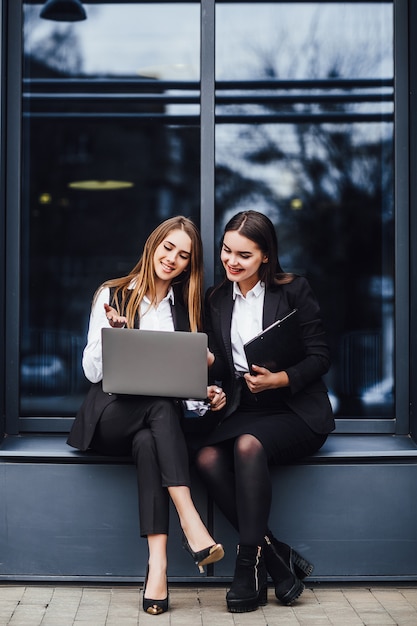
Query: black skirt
284, 435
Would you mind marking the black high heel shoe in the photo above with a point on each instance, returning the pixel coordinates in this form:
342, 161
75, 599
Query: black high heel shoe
212, 554
153, 607
288, 587
249, 589
301, 567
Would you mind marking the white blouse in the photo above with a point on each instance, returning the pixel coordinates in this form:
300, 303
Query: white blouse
246, 322
151, 318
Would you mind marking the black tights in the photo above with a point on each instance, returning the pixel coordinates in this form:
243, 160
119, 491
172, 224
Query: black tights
237, 477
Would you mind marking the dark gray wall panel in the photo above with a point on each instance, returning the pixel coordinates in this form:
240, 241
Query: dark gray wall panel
79, 521
352, 521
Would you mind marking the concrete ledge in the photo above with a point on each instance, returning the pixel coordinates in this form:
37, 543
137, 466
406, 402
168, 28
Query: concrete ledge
45, 447
66, 515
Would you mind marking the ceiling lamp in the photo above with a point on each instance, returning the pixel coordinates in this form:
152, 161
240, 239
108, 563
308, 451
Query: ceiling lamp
100, 185
63, 11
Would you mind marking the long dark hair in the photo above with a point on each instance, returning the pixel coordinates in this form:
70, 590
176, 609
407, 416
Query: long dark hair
258, 228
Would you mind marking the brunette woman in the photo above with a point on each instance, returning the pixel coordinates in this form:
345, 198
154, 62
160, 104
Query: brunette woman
271, 418
162, 292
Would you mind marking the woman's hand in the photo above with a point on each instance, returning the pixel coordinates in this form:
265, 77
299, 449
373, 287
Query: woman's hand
115, 320
217, 397
265, 379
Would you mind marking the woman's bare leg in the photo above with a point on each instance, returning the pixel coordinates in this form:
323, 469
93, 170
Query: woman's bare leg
191, 523
156, 586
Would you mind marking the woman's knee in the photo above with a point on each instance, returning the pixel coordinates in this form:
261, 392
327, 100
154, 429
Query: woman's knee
163, 405
248, 446
165, 411
207, 459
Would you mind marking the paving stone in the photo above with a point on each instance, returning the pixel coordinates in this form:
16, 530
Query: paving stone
321, 605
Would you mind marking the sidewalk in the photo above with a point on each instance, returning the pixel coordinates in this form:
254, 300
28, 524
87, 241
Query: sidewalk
320, 605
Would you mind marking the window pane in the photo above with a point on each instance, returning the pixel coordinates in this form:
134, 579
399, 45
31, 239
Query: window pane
305, 134
303, 40
110, 149
158, 40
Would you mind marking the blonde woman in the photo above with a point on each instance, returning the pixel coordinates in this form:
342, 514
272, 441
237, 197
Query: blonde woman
162, 292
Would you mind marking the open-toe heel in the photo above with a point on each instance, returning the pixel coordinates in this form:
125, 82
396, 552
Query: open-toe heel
153, 607
212, 554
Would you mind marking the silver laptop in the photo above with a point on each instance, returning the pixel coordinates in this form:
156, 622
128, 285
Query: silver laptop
155, 363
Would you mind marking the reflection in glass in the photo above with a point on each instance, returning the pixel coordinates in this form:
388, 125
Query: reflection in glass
300, 40
305, 134
156, 40
109, 151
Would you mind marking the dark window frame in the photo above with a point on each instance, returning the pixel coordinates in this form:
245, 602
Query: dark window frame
12, 152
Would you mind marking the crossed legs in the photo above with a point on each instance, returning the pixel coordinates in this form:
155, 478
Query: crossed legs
154, 512
149, 429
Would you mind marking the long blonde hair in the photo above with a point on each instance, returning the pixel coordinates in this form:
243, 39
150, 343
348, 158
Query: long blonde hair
141, 279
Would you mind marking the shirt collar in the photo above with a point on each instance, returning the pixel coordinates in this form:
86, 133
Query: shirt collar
257, 290
170, 296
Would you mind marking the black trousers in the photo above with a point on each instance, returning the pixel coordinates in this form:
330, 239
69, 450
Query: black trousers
148, 429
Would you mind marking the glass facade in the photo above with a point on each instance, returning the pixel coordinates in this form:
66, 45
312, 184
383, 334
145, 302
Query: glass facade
110, 149
305, 133
112, 145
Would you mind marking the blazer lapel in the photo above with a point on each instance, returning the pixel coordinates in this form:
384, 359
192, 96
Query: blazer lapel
271, 306
226, 310
180, 317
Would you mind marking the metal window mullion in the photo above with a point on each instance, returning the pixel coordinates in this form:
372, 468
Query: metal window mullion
207, 137
401, 203
13, 248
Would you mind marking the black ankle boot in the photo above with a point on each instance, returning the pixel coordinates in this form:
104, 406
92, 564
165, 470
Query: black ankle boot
288, 587
249, 587
302, 568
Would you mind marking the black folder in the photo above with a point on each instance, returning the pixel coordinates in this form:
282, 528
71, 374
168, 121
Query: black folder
277, 347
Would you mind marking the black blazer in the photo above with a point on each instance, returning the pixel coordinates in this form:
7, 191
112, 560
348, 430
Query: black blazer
307, 394
97, 400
